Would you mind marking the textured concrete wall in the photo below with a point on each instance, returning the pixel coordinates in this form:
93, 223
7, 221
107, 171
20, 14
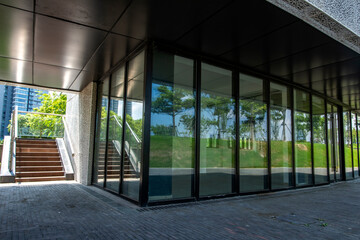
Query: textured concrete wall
347, 12
339, 19
80, 117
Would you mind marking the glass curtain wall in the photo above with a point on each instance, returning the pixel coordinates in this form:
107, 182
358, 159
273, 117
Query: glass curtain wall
101, 133
217, 132
289, 119
347, 144
172, 138
253, 135
319, 140
355, 145
333, 143
133, 127
113, 165
281, 139
302, 132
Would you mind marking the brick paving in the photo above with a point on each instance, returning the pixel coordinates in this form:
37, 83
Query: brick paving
69, 210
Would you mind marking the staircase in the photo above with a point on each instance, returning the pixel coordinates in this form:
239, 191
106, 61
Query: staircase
113, 164
38, 160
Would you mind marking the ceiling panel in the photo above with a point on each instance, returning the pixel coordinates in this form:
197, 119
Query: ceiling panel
65, 44
23, 4
238, 24
311, 58
335, 70
15, 70
283, 42
165, 20
16, 33
115, 48
83, 80
52, 76
100, 14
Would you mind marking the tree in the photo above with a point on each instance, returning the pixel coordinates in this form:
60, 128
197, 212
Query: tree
39, 125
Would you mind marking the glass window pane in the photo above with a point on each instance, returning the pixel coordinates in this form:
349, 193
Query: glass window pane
281, 143
115, 130
302, 128
253, 135
354, 145
172, 144
347, 145
100, 143
330, 129
319, 128
217, 127
133, 127
336, 143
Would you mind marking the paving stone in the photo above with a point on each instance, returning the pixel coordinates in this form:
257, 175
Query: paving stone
68, 210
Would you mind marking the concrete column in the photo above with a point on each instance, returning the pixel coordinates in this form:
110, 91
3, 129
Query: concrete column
80, 119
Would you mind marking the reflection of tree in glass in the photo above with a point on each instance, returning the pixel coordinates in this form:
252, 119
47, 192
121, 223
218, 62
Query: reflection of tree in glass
173, 101
254, 114
278, 120
319, 128
302, 125
220, 110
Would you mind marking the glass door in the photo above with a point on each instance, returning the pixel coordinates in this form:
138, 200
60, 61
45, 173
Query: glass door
333, 141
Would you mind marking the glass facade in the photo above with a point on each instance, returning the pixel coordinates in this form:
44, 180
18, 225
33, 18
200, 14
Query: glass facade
347, 144
208, 131
253, 135
319, 140
101, 134
118, 149
217, 131
172, 141
281, 137
302, 132
354, 145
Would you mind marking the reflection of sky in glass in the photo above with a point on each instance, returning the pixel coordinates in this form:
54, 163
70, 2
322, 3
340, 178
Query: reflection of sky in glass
166, 119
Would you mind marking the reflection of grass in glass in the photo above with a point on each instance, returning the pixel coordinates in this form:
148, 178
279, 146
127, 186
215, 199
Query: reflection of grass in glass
281, 154
171, 152
320, 155
348, 160
178, 152
303, 154
356, 163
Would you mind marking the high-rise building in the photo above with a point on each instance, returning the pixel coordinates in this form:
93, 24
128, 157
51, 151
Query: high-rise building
25, 98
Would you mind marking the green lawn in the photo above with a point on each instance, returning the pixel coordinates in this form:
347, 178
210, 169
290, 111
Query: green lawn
178, 152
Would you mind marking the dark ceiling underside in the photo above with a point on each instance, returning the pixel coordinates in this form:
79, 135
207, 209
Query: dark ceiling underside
67, 44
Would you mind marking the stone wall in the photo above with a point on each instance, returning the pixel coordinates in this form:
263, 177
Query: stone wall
80, 118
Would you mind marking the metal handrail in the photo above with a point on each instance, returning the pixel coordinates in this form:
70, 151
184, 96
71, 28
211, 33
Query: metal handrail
132, 131
50, 114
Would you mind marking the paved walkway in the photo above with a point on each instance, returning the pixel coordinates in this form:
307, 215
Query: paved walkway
72, 211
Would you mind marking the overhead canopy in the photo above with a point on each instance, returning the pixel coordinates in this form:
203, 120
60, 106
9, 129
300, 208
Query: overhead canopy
67, 44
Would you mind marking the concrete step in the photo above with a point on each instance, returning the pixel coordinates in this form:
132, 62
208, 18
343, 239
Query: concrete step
35, 141
29, 145
39, 163
37, 158
40, 174
33, 154
38, 168
37, 150
38, 179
